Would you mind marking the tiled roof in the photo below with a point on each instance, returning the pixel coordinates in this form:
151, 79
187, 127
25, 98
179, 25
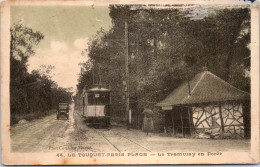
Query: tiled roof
205, 87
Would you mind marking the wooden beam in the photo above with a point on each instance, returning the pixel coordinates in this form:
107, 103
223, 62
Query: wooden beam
164, 122
199, 117
127, 75
190, 116
173, 130
221, 121
235, 131
182, 131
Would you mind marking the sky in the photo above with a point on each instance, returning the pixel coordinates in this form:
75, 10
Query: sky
67, 31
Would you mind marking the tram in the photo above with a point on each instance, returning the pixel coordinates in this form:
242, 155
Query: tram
96, 107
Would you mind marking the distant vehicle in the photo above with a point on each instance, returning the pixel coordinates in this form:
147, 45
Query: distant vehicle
63, 110
96, 107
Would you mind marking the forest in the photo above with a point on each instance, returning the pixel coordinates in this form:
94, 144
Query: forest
166, 47
32, 95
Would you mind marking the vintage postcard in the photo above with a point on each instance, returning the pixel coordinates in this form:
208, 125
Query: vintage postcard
106, 82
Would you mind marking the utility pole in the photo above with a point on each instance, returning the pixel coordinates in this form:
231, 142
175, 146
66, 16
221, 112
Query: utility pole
127, 74
99, 71
189, 85
93, 75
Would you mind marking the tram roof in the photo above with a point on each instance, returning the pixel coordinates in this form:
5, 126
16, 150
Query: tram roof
98, 89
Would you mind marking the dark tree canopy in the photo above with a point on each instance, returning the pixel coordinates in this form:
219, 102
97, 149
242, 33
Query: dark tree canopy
31, 94
166, 49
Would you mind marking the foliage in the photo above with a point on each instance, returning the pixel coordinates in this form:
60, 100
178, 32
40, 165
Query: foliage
166, 48
31, 94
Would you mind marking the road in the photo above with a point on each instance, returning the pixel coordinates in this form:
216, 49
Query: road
50, 134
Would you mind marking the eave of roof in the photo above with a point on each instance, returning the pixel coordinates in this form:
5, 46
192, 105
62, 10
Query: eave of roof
205, 88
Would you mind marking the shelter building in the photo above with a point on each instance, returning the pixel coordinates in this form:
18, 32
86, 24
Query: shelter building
207, 104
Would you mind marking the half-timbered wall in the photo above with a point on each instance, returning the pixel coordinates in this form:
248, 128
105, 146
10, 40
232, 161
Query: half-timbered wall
209, 118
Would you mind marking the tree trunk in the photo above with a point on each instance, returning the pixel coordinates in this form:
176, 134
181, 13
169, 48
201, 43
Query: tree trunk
228, 65
155, 46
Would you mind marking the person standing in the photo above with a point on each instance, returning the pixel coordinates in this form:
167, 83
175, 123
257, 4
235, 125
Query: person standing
148, 121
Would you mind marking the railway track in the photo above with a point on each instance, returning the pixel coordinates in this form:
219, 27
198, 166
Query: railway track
116, 140
109, 140
137, 144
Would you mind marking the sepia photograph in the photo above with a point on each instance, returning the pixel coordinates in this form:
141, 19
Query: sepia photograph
99, 83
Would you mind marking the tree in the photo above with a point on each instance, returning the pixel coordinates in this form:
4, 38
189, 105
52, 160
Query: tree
166, 49
225, 36
31, 94
22, 41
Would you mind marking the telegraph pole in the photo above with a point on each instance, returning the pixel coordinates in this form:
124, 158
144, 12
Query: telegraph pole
127, 74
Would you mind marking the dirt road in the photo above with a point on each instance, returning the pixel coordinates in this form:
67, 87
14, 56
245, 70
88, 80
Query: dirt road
50, 134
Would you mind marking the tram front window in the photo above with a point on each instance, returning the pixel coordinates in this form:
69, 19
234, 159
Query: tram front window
97, 98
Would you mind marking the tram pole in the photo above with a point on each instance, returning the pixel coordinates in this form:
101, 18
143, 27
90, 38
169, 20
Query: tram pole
127, 75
